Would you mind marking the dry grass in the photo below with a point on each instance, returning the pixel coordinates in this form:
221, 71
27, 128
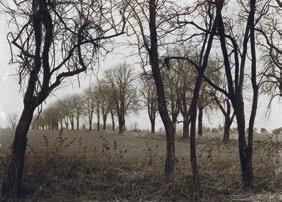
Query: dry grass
85, 166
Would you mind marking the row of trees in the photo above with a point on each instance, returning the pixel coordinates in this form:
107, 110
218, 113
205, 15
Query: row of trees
54, 40
115, 95
121, 92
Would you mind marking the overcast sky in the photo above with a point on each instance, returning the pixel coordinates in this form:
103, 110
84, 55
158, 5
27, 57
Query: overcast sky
11, 97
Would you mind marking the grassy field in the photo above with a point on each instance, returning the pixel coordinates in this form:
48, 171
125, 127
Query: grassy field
105, 166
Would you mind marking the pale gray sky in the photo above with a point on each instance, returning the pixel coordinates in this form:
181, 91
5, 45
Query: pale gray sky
11, 97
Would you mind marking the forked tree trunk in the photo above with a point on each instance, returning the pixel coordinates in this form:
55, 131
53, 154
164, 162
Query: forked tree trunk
245, 151
13, 185
200, 122
246, 162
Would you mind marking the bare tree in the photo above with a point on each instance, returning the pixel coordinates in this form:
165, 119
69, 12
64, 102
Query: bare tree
124, 94
146, 24
149, 94
42, 27
235, 56
104, 91
77, 104
89, 105
172, 91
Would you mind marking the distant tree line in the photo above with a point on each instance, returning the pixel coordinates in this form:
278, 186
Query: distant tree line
119, 92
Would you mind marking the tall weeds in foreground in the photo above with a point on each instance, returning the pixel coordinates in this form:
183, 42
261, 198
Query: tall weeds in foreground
57, 172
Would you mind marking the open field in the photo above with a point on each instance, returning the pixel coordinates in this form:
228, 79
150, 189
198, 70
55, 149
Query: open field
105, 166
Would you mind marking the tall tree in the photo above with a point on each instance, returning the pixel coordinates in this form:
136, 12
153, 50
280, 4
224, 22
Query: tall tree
121, 80
104, 91
41, 28
146, 23
172, 91
89, 105
149, 94
200, 63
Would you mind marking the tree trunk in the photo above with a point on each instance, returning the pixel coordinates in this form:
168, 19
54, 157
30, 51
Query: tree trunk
174, 120
193, 154
90, 123
113, 121
245, 153
66, 123
98, 120
104, 122
226, 133
77, 122
153, 123
72, 123
61, 124
13, 185
121, 123
246, 165
185, 132
163, 111
200, 122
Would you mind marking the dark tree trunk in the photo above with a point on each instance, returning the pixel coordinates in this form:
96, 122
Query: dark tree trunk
245, 158
105, 122
193, 108
226, 133
245, 152
153, 123
227, 121
13, 186
121, 123
185, 132
193, 153
154, 62
90, 123
98, 120
77, 122
113, 121
72, 123
174, 120
200, 122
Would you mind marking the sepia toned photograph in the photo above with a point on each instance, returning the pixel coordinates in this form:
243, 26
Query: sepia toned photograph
141, 100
